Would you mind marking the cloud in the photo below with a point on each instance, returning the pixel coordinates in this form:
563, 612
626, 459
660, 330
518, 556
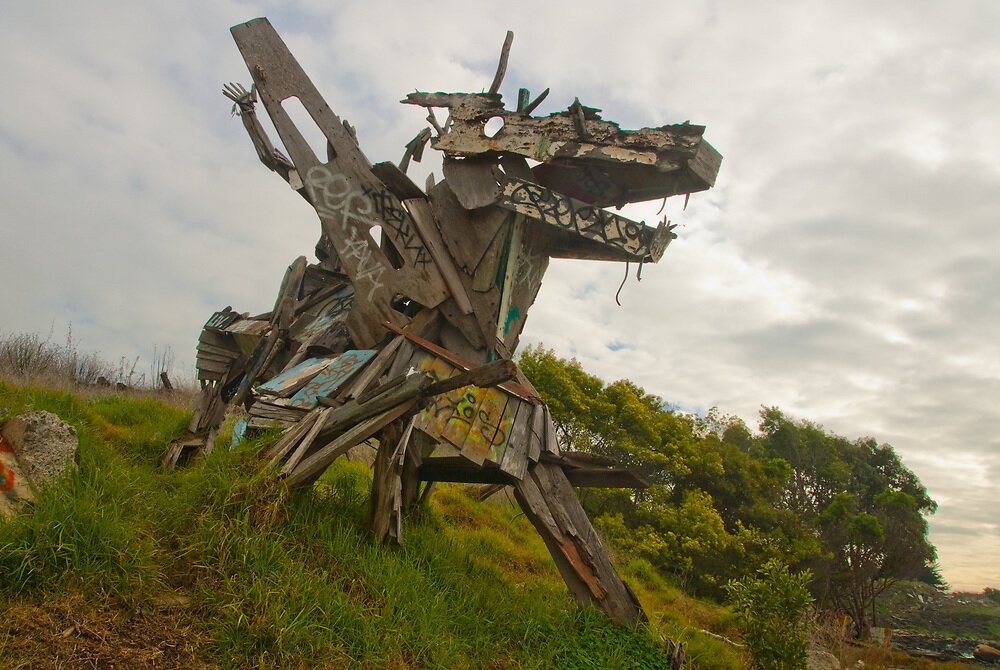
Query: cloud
844, 267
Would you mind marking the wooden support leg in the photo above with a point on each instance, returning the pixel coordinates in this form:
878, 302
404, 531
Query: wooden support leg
385, 504
411, 461
548, 500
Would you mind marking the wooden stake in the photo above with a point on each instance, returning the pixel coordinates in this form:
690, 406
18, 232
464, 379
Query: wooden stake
502, 66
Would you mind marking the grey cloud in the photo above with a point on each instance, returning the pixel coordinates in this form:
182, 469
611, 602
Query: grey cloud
844, 268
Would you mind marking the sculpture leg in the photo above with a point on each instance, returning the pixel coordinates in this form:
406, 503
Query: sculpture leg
385, 504
548, 500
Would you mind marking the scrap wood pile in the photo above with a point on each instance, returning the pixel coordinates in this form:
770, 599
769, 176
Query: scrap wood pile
402, 333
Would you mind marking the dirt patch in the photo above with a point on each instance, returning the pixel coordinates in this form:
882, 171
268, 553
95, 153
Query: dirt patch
71, 632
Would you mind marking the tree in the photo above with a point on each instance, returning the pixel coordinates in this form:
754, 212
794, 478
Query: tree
865, 505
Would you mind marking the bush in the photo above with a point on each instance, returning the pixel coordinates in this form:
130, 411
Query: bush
772, 610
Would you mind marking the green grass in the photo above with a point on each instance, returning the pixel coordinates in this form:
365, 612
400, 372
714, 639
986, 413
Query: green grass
289, 580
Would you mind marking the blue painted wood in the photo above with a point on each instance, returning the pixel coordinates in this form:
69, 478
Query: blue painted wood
330, 379
275, 385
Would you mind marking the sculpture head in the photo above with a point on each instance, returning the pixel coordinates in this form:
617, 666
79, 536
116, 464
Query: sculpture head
476, 245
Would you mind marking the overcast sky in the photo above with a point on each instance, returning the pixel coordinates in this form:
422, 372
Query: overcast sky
846, 267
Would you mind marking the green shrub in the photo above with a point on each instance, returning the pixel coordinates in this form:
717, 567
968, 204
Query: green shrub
772, 608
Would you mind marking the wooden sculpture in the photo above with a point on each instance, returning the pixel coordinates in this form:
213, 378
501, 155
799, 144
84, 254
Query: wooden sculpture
407, 339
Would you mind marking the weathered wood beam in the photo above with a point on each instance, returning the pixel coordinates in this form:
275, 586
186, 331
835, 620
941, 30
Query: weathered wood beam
502, 65
548, 500
491, 374
567, 215
615, 478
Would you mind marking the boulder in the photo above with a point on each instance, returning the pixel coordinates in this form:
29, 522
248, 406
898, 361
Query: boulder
14, 489
985, 652
42, 443
821, 659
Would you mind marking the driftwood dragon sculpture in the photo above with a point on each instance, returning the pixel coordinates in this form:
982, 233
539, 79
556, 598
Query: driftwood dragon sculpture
404, 329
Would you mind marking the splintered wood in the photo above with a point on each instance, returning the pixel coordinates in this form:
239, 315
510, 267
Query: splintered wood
404, 339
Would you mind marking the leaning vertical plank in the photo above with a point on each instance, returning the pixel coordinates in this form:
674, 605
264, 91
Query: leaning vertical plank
547, 498
307, 441
537, 437
551, 439
386, 489
290, 438
284, 306
375, 368
424, 221
534, 505
515, 457
314, 465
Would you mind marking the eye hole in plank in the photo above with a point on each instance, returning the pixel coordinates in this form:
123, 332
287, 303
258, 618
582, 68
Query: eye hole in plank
308, 128
493, 126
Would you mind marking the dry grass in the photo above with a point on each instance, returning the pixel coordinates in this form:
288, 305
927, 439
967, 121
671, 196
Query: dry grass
27, 359
826, 633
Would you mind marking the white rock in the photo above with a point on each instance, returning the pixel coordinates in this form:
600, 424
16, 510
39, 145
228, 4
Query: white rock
43, 444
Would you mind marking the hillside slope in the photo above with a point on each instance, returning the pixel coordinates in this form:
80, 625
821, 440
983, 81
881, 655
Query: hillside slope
217, 565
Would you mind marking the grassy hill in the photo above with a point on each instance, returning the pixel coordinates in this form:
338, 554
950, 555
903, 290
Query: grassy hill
217, 565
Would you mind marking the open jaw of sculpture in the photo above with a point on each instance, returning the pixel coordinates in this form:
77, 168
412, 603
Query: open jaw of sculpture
408, 339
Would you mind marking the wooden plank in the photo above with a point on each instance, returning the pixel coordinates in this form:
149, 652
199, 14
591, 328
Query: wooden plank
396, 181
352, 411
330, 378
515, 455
213, 366
318, 423
551, 439
262, 423
485, 277
580, 459
385, 504
314, 465
485, 439
617, 478
517, 167
667, 159
434, 418
537, 436
458, 469
519, 390
423, 219
533, 504
473, 181
532, 260
484, 376
374, 369
502, 65
467, 235
288, 294
568, 215
291, 380
468, 340
507, 286
261, 354
402, 358
456, 427
217, 353
290, 437
270, 411
347, 196
219, 320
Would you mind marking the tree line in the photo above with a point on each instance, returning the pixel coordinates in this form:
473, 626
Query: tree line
725, 500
